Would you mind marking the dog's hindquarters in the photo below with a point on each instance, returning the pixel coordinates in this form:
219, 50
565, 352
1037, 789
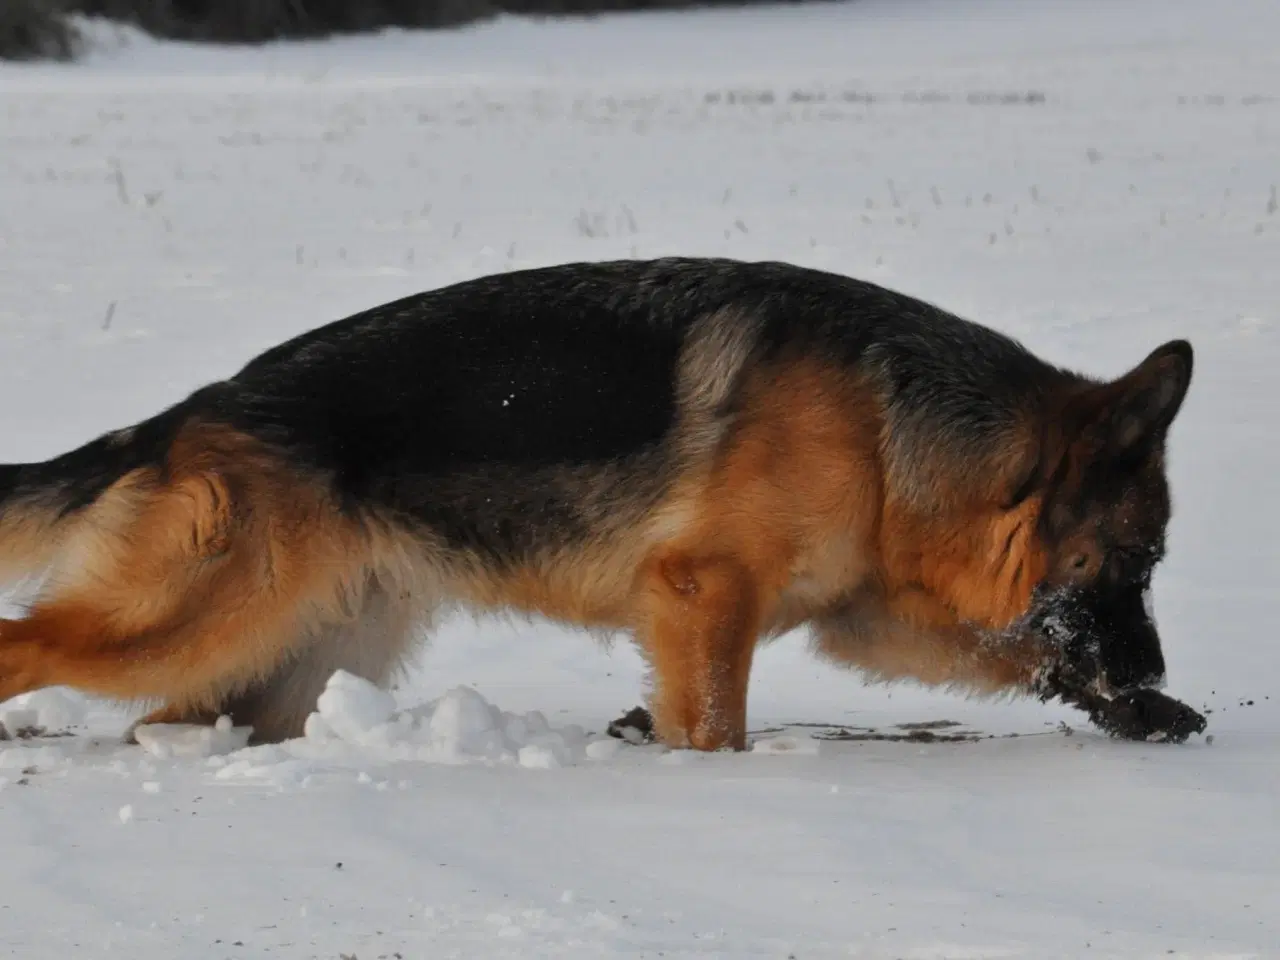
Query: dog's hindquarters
210, 573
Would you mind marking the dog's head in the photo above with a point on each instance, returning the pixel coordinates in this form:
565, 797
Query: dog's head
1103, 508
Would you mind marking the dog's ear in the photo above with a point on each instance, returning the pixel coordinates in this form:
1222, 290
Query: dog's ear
1142, 404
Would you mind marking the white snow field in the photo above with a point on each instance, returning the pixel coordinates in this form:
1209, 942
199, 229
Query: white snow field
1095, 178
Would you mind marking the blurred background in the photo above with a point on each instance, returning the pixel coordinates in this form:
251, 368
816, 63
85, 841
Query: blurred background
43, 28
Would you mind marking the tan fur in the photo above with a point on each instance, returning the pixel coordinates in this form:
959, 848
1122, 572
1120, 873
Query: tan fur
700, 621
188, 585
29, 539
915, 637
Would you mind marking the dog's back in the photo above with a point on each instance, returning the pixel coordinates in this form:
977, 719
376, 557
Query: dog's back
502, 411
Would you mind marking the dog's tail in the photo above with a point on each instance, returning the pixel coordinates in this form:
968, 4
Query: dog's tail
42, 503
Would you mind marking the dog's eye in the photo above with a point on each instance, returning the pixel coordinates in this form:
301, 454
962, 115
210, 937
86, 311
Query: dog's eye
1079, 561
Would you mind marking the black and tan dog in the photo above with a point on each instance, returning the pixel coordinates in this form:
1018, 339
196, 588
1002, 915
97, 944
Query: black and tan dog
702, 452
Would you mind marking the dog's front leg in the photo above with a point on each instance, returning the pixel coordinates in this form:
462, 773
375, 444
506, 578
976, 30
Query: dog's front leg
699, 627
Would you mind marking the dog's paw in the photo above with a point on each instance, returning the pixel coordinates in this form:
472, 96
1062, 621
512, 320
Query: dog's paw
636, 726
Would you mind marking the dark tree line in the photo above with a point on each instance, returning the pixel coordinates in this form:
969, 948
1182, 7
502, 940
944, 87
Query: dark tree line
39, 29
35, 30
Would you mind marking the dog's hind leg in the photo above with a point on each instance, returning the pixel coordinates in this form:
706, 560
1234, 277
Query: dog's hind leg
191, 584
374, 647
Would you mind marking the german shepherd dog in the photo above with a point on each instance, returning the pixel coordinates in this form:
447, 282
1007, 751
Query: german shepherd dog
702, 452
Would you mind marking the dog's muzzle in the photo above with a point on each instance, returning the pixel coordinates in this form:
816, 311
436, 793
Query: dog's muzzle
1108, 637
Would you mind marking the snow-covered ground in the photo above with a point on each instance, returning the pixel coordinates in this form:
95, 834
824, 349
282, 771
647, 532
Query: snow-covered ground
1093, 177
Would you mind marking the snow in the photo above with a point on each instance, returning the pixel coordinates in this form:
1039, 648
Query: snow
52, 709
807, 746
357, 723
189, 740
1092, 177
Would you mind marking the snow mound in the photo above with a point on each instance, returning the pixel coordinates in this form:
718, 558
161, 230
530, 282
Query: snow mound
356, 723
459, 727
51, 710
190, 740
349, 708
